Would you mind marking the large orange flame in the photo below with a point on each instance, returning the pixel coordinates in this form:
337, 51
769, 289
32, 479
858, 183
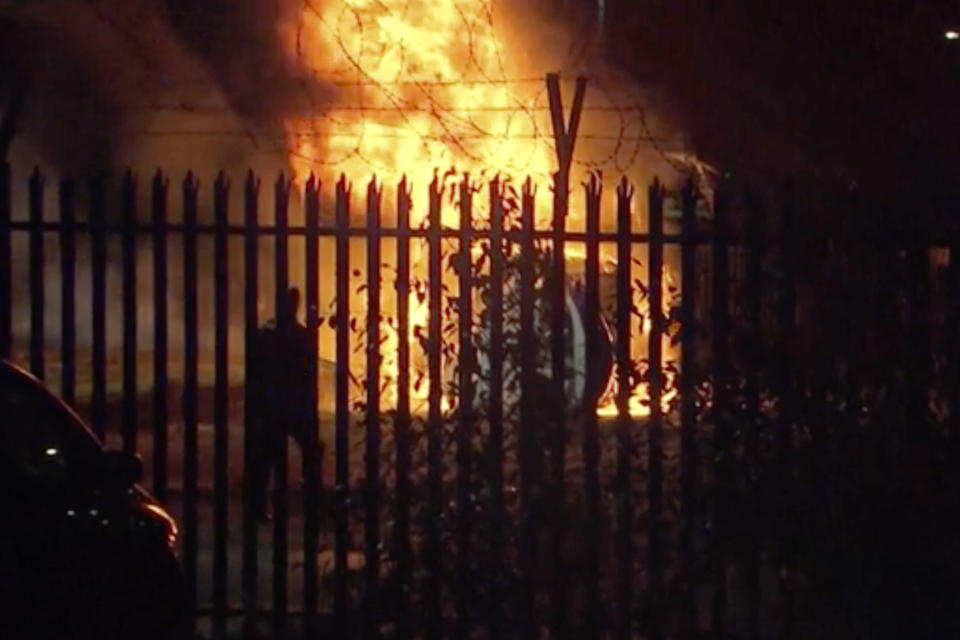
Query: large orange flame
420, 86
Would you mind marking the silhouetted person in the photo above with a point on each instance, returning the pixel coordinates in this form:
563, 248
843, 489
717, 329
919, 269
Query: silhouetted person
283, 401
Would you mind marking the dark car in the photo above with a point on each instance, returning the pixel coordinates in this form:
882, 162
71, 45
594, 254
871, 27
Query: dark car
85, 552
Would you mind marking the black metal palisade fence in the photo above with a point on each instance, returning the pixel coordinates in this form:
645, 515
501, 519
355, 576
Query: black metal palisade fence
437, 559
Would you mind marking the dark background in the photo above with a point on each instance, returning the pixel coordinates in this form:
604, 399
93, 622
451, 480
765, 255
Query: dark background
863, 93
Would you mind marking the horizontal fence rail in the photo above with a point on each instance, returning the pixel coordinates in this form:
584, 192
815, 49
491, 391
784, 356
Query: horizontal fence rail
514, 428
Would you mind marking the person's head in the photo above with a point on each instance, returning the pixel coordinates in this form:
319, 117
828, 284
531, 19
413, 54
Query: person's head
293, 301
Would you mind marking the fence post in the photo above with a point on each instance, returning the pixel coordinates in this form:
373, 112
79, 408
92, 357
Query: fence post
952, 315
465, 422
623, 542
68, 263
285, 321
129, 313
917, 419
98, 271
786, 388
690, 458
160, 383
221, 189
655, 433
495, 415
434, 549
36, 275
530, 476
189, 409
372, 462
565, 136
402, 425
756, 232
251, 321
341, 538
558, 353
722, 429
591, 450
312, 460
5, 262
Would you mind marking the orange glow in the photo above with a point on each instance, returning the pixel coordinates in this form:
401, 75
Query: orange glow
173, 532
639, 402
403, 106
416, 87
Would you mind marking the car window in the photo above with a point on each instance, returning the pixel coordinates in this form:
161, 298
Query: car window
39, 438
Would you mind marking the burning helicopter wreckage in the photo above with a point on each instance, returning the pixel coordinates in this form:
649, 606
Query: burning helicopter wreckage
390, 89
458, 84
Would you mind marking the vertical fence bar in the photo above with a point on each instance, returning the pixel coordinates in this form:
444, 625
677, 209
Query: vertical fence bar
221, 189
530, 489
311, 457
655, 430
404, 560
497, 522
591, 471
160, 382
68, 281
432, 595
189, 404
251, 312
752, 452
624, 424
6, 323
341, 602
689, 454
129, 294
285, 327
558, 349
565, 136
895, 269
372, 462
722, 428
919, 341
98, 271
952, 316
36, 274
786, 390
465, 422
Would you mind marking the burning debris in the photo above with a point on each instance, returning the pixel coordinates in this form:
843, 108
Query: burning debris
335, 87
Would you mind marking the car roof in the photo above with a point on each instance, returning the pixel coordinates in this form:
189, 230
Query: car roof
14, 375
